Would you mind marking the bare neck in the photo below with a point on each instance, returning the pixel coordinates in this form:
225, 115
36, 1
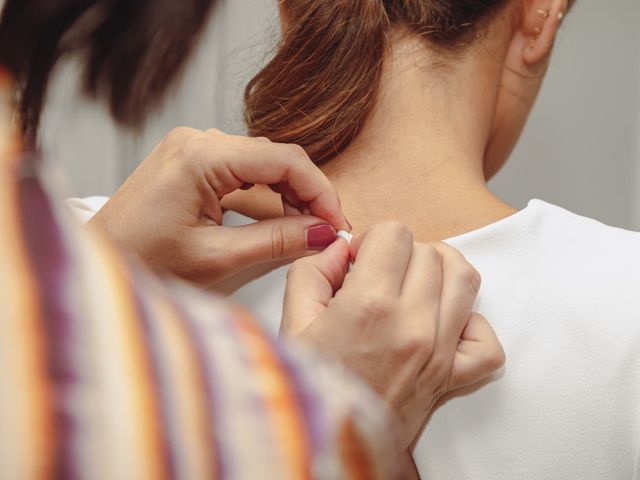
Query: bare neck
419, 159
436, 203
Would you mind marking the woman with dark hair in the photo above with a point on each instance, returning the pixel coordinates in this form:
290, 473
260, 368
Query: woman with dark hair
108, 372
410, 106
132, 52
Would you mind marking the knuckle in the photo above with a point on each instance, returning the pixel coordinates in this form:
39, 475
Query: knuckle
463, 271
277, 242
296, 149
191, 144
496, 357
431, 254
440, 246
419, 347
397, 231
179, 133
296, 152
371, 307
467, 275
280, 243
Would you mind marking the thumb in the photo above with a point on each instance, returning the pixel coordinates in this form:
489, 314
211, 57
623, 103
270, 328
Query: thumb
479, 354
275, 239
311, 284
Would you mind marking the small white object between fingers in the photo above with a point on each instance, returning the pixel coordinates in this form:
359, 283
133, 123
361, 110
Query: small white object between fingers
345, 235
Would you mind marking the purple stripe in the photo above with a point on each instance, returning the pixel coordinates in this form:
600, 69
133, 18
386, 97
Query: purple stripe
138, 286
262, 409
50, 262
307, 398
207, 376
304, 399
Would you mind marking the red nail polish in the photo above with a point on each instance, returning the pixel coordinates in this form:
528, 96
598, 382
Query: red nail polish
320, 237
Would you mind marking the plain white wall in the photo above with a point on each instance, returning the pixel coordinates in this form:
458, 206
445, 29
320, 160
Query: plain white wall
97, 156
581, 148
636, 222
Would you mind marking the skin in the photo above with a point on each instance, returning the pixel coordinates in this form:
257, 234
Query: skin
413, 302
446, 136
407, 303
438, 134
169, 212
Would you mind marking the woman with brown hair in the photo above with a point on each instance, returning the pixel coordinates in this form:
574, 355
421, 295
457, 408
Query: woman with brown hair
108, 371
410, 106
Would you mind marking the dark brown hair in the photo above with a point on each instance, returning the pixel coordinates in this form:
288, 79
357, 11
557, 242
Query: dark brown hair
322, 83
132, 50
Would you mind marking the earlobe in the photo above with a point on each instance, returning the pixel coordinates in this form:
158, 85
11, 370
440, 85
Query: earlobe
543, 19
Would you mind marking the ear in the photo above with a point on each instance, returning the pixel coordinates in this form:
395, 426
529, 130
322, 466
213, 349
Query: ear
534, 25
540, 24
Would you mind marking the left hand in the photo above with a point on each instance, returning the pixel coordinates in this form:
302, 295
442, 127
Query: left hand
402, 319
169, 213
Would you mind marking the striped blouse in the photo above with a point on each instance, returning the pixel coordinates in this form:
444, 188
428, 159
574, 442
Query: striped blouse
110, 373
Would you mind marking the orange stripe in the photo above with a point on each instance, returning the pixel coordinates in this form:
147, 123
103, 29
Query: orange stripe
24, 376
354, 453
143, 402
280, 399
190, 401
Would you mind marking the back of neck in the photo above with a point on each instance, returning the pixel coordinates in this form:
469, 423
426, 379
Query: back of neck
436, 203
419, 159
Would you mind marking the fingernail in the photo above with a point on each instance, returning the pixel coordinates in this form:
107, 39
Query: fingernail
320, 237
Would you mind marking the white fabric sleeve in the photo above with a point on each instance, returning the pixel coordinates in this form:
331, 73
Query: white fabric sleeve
84, 209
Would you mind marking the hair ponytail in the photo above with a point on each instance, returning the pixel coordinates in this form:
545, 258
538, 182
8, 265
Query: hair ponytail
323, 82
319, 89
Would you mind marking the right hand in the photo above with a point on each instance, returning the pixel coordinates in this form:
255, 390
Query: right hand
169, 210
402, 318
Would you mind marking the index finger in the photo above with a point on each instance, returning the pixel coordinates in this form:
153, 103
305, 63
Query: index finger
250, 160
382, 258
460, 287
311, 284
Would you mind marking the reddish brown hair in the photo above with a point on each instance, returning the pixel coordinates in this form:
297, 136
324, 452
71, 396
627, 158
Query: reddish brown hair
322, 83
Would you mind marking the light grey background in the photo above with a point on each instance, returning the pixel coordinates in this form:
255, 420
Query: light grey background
581, 149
